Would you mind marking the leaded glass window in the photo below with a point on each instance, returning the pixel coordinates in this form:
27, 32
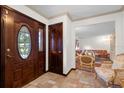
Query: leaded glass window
24, 42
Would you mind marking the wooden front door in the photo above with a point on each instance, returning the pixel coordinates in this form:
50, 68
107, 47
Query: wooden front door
21, 49
56, 48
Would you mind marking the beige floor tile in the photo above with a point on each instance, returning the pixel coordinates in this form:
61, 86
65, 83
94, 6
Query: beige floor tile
75, 79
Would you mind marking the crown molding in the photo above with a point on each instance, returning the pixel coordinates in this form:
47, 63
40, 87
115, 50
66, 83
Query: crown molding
69, 16
83, 18
62, 14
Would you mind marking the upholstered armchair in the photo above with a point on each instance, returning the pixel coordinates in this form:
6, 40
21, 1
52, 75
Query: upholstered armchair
107, 71
87, 61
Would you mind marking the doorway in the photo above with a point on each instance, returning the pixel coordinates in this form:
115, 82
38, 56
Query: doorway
96, 40
56, 48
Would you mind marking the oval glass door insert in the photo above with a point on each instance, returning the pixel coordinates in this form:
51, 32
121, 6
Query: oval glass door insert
24, 42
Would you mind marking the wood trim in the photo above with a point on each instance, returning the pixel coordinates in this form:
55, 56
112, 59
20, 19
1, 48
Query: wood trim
46, 71
64, 74
69, 71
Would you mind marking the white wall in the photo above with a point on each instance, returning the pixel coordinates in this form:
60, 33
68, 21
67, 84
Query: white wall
119, 34
69, 47
47, 47
96, 43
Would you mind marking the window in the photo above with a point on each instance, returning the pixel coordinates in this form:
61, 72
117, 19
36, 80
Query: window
52, 44
40, 39
24, 42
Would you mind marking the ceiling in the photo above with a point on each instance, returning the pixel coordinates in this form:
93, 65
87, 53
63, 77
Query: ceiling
75, 12
95, 30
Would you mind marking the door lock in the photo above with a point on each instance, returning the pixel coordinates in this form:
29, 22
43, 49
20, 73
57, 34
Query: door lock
8, 50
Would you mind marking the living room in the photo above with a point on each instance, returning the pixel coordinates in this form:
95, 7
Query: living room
99, 39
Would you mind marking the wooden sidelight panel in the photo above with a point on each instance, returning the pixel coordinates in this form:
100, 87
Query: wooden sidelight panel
20, 48
56, 48
41, 48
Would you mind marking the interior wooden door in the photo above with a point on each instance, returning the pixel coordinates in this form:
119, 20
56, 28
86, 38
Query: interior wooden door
20, 49
56, 48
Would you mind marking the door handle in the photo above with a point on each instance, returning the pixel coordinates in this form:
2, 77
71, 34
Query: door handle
59, 51
9, 56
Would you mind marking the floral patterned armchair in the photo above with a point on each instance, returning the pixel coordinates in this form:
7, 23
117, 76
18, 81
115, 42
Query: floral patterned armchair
107, 73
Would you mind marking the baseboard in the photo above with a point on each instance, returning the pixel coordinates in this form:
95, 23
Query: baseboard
69, 71
46, 71
64, 74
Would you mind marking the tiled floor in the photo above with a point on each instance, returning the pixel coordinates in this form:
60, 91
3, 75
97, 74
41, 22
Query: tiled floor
75, 79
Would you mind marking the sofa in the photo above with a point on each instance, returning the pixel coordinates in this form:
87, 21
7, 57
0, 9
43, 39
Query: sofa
101, 53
